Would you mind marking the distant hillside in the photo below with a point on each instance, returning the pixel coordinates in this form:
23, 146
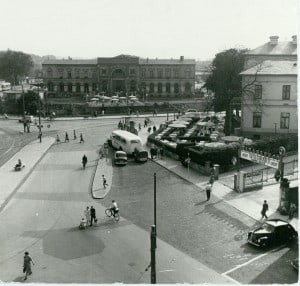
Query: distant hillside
38, 60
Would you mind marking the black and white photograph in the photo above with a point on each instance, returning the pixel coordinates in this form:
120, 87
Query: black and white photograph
149, 142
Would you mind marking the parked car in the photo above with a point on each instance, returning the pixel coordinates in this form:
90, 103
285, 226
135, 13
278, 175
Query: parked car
120, 158
272, 232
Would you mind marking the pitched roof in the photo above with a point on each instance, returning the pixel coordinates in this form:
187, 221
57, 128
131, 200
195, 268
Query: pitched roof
281, 48
70, 62
166, 61
273, 68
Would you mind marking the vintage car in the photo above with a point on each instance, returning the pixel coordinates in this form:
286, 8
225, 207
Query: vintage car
120, 158
272, 232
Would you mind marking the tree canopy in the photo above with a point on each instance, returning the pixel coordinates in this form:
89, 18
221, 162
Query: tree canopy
225, 81
14, 65
31, 103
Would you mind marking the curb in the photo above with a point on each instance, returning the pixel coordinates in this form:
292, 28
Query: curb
24, 179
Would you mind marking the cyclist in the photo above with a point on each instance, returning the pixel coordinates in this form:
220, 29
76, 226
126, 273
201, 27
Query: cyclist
114, 207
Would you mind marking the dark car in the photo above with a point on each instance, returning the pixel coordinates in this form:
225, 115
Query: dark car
120, 158
271, 232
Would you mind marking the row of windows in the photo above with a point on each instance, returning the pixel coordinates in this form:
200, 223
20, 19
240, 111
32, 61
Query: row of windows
132, 87
161, 73
286, 92
284, 120
151, 73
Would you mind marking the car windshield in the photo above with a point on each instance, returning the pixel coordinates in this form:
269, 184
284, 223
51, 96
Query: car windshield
134, 141
120, 155
268, 227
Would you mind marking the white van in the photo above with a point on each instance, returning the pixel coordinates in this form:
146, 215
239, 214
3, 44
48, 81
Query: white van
125, 141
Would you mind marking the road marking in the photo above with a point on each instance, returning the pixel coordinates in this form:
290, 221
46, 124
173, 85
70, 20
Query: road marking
168, 270
246, 263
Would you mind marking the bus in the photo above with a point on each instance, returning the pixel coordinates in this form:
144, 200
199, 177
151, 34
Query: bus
125, 141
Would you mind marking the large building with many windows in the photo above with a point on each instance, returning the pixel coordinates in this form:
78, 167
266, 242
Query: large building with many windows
269, 101
152, 78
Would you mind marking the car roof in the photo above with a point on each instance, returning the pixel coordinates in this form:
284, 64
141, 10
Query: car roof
120, 152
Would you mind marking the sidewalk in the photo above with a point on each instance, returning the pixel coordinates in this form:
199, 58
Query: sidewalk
30, 155
250, 203
104, 167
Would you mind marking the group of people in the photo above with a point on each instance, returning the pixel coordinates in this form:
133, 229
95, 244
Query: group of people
67, 137
88, 218
90, 215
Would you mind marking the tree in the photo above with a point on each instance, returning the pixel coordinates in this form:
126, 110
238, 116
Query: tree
225, 81
31, 103
14, 65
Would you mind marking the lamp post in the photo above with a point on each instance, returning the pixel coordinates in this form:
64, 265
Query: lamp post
23, 101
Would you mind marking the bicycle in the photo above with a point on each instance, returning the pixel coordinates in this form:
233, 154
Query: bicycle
110, 213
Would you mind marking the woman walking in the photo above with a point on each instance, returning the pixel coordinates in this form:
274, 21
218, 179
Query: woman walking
27, 265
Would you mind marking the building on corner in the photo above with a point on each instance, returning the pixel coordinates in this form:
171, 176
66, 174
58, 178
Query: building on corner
269, 101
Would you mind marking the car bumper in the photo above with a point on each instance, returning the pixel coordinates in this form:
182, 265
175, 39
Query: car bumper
121, 162
253, 243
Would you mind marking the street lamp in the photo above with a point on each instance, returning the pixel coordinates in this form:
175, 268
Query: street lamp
39, 99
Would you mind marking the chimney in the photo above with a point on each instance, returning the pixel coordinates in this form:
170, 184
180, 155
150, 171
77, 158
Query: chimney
274, 40
294, 40
181, 58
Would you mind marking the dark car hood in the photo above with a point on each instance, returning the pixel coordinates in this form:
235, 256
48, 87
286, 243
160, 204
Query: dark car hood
261, 231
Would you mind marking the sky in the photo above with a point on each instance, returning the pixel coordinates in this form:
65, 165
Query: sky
196, 29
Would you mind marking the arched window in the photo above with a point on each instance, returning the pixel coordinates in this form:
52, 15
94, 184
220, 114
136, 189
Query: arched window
118, 73
187, 87
50, 86
132, 85
86, 87
61, 87
159, 88
168, 87
151, 88
49, 72
69, 72
69, 87
77, 87
176, 88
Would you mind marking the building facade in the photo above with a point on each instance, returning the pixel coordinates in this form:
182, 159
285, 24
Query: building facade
152, 78
269, 101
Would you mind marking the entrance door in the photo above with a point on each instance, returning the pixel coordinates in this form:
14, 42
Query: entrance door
118, 85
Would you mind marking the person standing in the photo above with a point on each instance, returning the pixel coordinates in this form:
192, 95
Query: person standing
57, 139
104, 182
27, 265
81, 138
93, 215
66, 137
75, 135
87, 215
265, 208
208, 191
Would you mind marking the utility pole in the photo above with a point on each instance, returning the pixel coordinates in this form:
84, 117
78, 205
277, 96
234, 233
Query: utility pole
23, 100
40, 127
153, 239
153, 258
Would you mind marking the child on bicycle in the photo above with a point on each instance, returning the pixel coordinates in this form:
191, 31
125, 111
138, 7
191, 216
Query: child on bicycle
114, 208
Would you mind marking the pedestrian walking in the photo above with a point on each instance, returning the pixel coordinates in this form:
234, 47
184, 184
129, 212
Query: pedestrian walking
265, 208
74, 133
66, 137
81, 138
87, 215
292, 210
149, 129
208, 191
27, 265
104, 182
57, 139
140, 127
93, 215
145, 123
